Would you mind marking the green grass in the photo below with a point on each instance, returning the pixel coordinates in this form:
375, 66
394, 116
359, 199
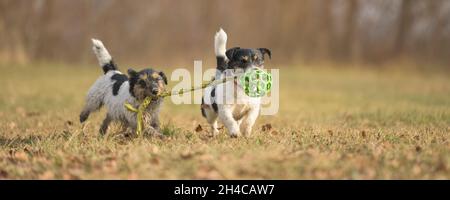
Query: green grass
341, 123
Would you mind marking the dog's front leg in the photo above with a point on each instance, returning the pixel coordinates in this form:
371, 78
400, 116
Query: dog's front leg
226, 116
153, 132
249, 120
151, 125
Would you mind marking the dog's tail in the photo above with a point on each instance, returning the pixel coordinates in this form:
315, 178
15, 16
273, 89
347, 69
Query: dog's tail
104, 59
220, 42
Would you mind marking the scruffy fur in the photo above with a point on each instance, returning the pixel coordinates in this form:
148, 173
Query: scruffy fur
113, 89
240, 115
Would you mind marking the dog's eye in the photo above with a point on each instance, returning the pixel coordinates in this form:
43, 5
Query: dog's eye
142, 83
244, 59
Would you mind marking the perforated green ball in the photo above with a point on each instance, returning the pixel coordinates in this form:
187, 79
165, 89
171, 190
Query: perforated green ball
256, 82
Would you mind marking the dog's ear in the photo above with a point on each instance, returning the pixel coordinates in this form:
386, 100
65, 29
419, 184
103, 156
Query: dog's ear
163, 76
265, 51
132, 73
230, 52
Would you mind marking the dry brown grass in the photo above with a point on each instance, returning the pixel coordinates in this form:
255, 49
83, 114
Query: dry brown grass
332, 124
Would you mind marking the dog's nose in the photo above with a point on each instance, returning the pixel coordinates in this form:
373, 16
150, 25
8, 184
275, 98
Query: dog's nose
155, 91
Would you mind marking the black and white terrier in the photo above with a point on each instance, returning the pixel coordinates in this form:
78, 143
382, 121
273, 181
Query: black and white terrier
228, 101
113, 89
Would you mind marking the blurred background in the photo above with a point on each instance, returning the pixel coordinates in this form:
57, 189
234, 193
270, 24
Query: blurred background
168, 33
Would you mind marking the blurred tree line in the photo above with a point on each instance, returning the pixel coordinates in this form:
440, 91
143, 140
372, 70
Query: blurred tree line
173, 32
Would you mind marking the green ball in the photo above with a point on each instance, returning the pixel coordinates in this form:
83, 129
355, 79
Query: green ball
256, 82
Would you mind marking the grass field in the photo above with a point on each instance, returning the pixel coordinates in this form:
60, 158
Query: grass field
336, 123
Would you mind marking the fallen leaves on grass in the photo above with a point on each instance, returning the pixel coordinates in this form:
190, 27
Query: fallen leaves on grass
330, 132
154, 160
207, 172
199, 128
3, 174
21, 156
266, 127
186, 154
418, 149
363, 134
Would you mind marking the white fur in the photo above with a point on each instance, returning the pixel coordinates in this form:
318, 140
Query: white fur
237, 111
220, 41
101, 93
101, 52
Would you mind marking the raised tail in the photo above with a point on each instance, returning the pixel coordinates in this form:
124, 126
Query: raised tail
104, 59
220, 42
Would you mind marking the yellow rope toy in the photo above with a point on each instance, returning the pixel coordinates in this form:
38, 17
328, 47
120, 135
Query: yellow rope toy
140, 110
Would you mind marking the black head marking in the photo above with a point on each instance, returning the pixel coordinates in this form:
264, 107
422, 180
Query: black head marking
133, 80
132, 73
163, 76
231, 52
265, 51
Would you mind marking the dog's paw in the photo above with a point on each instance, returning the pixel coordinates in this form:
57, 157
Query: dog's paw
235, 135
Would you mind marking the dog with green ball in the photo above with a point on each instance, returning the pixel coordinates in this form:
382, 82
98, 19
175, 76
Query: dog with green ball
236, 103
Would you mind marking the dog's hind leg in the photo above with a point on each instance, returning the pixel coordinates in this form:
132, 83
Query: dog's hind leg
93, 103
84, 115
211, 117
105, 125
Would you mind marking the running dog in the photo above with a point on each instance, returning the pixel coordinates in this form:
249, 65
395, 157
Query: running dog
113, 89
228, 101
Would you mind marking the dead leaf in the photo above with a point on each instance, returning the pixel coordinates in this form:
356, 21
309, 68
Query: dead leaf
418, 149
154, 160
207, 172
21, 156
266, 127
274, 132
186, 154
3, 174
330, 132
47, 175
199, 128
32, 114
363, 134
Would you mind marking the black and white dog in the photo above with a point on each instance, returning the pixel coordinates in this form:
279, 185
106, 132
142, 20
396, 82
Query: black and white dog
228, 101
113, 89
